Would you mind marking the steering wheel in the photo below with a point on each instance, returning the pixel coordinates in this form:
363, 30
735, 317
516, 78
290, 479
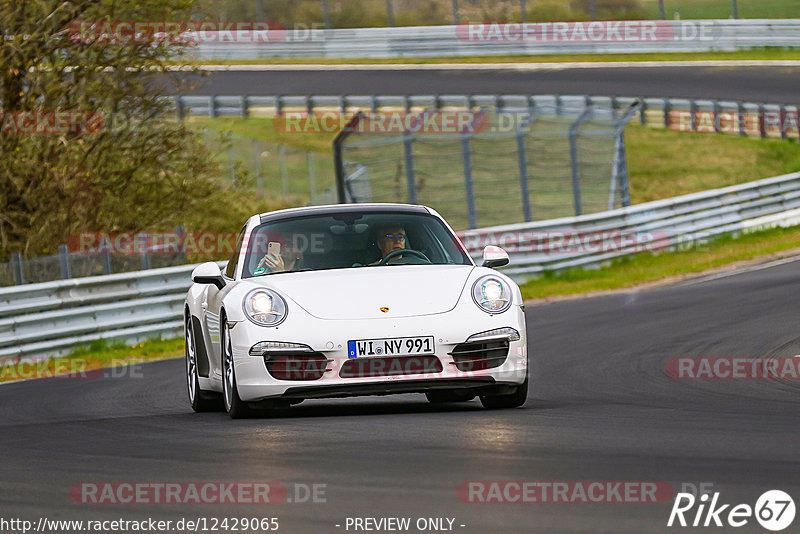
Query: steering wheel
404, 251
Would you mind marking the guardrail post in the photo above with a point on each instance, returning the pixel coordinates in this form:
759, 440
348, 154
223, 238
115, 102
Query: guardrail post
762, 126
558, 106
465, 150
782, 117
106, 259
741, 119
212, 106
245, 107
279, 105
408, 152
284, 171
693, 115
312, 175
407, 104
717, 125
63, 261
573, 156
523, 175
141, 242
257, 153
179, 107
16, 266
667, 112
642, 111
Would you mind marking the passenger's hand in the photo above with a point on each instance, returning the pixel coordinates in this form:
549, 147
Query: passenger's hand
273, 263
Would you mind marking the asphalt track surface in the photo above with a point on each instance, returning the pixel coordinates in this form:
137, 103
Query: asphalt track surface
601, 408
778, 85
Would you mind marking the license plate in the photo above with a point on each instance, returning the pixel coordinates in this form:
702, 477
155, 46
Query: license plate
398, 346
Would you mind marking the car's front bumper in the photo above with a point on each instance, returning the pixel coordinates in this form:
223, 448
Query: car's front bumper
329, 338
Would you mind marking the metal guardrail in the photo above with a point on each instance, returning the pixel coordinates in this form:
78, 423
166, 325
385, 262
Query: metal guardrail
485, 39
683, 114
593, 240
50, 318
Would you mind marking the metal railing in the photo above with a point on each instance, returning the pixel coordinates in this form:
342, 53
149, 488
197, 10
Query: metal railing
52, 317
681, 114
485, 39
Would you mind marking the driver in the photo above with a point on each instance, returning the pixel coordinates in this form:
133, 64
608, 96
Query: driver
390, 238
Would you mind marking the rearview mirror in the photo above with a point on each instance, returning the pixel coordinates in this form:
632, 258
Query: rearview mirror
494, 257
208, 273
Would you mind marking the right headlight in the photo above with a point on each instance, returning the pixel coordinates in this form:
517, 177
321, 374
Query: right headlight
492, 294
265, 307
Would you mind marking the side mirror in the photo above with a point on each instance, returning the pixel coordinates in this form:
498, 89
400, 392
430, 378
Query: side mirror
208, 273
494, 257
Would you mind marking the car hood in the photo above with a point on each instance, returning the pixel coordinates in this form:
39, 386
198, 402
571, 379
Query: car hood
360, 293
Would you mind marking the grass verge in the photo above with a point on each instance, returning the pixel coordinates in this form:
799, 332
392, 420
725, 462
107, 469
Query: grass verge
756, 54
649, 268
87, 361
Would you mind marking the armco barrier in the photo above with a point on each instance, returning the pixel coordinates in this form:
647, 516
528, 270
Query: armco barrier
47, 319
50, 318
486, 39
681, 114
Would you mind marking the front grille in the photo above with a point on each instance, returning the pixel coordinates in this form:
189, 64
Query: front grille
479, 355
393, 366
296, 365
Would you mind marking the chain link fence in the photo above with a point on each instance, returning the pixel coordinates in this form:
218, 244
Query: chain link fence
273, 169
519, 165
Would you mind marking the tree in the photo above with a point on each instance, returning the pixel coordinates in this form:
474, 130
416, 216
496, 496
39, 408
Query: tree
124, 165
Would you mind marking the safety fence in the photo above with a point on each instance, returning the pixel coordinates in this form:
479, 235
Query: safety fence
491, 167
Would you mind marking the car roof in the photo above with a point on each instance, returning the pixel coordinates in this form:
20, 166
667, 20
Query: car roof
330, 209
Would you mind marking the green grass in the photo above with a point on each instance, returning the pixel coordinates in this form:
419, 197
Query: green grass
663, 163
98, 354
759, 54
721, 9
646, 268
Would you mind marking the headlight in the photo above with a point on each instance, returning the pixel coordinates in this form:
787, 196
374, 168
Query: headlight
492, 294
265, 307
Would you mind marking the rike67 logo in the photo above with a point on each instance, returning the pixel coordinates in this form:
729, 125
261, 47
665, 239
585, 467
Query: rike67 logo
774, 510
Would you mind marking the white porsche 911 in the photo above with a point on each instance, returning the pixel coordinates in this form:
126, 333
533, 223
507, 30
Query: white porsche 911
353, 299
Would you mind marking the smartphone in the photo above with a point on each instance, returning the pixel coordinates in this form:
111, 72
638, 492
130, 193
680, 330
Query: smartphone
274, 248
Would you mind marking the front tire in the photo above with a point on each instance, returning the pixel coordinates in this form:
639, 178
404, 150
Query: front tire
200, 400
234, 405
500, 402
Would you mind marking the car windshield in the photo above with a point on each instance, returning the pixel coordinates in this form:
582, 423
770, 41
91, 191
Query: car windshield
350, 240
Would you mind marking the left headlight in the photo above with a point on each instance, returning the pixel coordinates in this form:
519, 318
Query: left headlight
492, 294
265, 307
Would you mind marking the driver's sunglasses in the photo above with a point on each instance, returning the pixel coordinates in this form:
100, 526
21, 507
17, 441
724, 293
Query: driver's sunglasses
400, 236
